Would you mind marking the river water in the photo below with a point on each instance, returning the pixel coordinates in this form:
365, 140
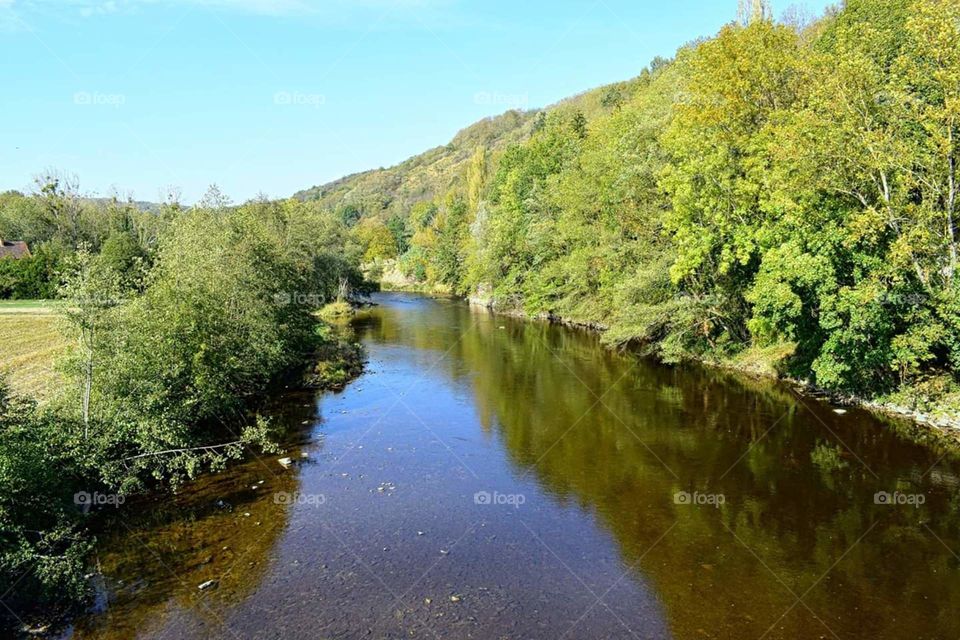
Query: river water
494, 478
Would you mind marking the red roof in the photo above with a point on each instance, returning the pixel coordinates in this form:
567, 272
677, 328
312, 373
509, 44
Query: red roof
14, 250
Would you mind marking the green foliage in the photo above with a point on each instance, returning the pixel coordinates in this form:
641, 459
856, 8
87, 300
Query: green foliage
401, 233
226, 309
33, 278
42, 550
123, 254
379, 240
773, 190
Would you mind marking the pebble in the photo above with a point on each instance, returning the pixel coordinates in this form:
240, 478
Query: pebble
36, 631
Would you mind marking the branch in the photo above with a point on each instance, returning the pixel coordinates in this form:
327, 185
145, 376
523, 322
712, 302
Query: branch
212, 447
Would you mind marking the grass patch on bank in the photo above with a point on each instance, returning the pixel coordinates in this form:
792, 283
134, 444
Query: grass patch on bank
767, 362
336, 312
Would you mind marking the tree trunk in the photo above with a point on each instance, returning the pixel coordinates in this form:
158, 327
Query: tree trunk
87, 385
951, 203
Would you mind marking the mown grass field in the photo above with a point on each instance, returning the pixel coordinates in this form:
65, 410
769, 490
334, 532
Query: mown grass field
30, 343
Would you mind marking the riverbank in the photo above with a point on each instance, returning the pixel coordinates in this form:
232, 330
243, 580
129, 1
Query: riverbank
942, 419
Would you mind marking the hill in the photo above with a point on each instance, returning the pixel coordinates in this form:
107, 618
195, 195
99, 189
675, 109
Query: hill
387, 192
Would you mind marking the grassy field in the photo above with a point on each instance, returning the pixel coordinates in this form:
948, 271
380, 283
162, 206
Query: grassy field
30, 342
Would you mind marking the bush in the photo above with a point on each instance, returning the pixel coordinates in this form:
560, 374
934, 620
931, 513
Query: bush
42, 548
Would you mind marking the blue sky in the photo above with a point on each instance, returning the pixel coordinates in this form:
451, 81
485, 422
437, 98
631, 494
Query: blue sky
277, 95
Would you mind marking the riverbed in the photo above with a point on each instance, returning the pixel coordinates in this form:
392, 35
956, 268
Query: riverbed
495, 478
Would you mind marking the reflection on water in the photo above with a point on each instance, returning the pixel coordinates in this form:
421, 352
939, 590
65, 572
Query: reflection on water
494, 478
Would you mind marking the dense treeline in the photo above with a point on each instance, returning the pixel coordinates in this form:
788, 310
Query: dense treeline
55, 220
184, 318
781, 192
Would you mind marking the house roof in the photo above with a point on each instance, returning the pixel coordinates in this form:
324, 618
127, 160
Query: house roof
14, 250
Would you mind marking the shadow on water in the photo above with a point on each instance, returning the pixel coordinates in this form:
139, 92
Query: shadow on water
654, 502
218, 531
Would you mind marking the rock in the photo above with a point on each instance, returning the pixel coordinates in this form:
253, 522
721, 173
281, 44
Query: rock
209, 584
38, 630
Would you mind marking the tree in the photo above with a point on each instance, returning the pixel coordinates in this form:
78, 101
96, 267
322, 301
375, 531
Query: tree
122, 254
92, 289
736, 87
750, 11
380, 243
476, 175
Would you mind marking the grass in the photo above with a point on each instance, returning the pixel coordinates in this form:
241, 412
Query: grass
30, 343
335, 312
763, 361
34, 307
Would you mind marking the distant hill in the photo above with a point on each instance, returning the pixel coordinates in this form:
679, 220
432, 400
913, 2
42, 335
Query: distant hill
394, 190
142, 205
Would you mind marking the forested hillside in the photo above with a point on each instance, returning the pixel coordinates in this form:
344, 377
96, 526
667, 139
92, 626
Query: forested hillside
784, 192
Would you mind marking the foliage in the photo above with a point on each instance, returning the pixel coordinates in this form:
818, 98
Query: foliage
780, 189
177, 340
42, 550
32, 278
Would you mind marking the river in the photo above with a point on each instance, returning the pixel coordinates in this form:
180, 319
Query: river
494, 478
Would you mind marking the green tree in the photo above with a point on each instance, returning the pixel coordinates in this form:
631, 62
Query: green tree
92, 290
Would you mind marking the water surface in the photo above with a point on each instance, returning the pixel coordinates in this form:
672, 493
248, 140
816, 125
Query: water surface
493, 478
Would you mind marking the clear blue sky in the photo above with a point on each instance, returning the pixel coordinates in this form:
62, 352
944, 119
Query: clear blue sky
279, 95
